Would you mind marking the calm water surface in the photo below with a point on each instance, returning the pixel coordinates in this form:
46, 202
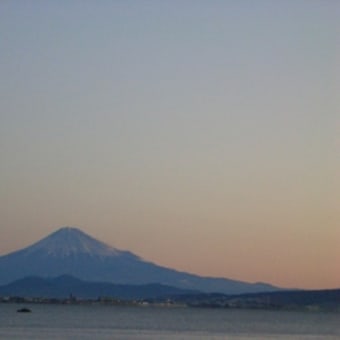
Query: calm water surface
126, 323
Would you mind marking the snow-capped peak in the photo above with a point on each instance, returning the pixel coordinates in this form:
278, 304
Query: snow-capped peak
67, 241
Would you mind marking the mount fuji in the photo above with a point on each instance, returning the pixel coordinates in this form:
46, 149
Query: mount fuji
70, 251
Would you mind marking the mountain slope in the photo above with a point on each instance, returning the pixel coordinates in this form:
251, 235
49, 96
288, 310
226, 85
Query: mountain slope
70, 251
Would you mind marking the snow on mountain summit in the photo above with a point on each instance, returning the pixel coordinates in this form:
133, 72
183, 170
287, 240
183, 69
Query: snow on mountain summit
71, 241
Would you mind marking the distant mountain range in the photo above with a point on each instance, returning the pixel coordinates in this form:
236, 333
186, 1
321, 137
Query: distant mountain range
69, 251
65, 286
67, 289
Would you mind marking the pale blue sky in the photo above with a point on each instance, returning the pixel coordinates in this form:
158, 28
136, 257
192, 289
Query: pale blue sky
201, 135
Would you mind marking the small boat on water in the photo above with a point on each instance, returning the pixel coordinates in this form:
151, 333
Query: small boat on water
24, 310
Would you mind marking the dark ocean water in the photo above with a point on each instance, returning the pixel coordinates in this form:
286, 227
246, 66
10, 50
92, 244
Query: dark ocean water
126, 323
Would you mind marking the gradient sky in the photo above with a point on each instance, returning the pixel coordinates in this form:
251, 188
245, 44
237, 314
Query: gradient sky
200, 135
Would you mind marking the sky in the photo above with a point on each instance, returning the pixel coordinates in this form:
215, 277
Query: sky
200, 135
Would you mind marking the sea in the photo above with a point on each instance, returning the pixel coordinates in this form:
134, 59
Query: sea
47, 321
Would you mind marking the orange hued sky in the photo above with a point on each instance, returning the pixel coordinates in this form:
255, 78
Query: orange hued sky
203, 136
